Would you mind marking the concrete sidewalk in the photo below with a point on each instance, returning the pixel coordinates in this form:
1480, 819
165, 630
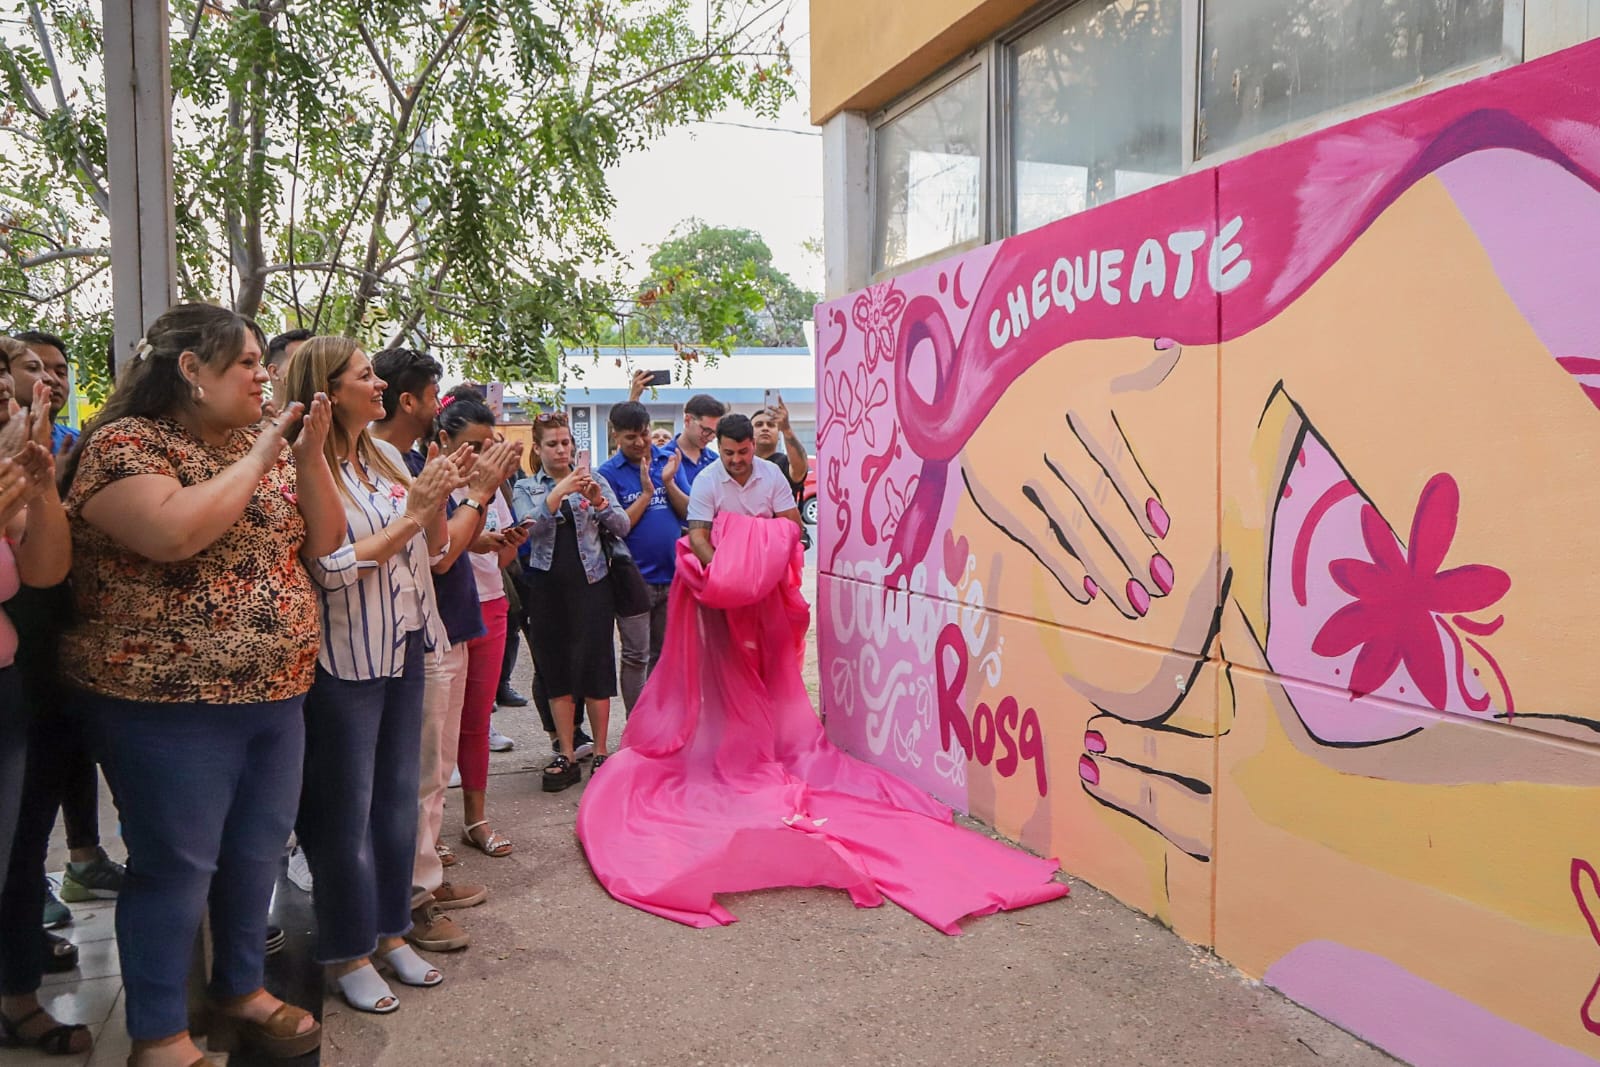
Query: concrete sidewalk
560, 972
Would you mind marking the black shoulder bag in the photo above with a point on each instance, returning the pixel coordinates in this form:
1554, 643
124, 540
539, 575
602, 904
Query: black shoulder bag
629, 594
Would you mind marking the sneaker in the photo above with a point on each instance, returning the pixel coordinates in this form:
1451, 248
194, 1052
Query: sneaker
275, 940
56, 914
499, 742
508, 697
455, 778
299, 869
434, 931
582, 745
99, 879
450, 897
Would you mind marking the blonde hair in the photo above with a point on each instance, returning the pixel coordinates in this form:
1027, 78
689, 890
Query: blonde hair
315, 368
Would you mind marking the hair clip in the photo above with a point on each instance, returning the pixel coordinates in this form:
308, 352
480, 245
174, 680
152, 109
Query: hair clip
446, 402
142, 350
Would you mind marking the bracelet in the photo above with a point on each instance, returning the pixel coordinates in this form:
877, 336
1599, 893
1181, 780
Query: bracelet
473, 504
421, 529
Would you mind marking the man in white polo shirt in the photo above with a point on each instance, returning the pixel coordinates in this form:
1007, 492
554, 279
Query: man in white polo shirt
737, 482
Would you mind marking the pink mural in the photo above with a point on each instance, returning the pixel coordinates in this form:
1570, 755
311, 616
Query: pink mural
1232, 541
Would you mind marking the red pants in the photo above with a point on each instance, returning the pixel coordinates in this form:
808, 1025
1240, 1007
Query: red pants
485, 655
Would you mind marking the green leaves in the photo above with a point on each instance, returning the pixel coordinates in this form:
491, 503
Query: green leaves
716, 285
433, 170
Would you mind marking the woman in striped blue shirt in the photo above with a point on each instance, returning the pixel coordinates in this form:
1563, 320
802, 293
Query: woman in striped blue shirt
358, 808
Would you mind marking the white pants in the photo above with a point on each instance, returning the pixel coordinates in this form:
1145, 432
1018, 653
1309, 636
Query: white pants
444, 691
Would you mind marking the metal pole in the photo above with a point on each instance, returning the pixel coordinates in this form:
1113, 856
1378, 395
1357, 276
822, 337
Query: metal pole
139, 166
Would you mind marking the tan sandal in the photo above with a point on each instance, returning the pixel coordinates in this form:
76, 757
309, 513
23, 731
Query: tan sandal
494, 844
277, 1036
447, 856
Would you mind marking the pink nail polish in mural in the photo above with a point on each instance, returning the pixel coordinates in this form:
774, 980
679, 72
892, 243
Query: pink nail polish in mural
1088, 771
1138, 596
1094, 741
1161, 573
1160, 521
1090, 587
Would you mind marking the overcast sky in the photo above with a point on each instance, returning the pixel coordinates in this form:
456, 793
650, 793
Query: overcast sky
767, 179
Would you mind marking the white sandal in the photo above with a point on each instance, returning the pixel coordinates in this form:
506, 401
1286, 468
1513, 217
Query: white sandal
411, 968
495, 844
365, 990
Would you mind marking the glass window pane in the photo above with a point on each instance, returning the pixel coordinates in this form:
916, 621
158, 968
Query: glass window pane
1268, 63
930, 174
1097, 107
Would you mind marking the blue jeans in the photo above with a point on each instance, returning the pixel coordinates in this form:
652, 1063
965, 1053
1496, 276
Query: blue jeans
206, 794
358, 812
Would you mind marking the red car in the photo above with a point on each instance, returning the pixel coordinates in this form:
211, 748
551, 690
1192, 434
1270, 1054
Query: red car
808, 495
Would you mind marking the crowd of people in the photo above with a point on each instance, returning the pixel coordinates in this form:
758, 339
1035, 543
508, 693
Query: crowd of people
275, 591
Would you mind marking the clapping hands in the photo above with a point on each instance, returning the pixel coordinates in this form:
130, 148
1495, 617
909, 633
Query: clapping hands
441, 475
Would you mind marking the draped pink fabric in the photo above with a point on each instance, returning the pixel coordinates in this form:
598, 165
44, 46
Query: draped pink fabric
726, 783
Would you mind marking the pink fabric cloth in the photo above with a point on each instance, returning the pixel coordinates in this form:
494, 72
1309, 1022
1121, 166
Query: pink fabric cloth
726, 783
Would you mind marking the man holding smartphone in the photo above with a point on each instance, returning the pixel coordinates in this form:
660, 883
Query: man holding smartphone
644, 478
771, 423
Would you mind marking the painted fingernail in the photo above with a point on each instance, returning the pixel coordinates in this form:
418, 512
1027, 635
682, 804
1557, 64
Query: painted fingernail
1090, 588
1138, 596
1088, 771
1161, 572
1094, 741
1160, 521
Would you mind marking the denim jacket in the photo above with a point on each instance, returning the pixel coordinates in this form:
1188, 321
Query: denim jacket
528, 499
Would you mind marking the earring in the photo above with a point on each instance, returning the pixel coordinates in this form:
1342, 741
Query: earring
199, 394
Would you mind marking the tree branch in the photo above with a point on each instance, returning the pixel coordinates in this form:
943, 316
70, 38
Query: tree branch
383, 67
59, 293
61, 253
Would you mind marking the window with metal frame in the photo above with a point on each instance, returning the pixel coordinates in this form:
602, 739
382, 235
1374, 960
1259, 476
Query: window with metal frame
1268, 64
929, 172
1095, 102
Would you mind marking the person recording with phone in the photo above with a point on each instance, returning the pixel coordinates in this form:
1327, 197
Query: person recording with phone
771, 423
571, 633
644, 478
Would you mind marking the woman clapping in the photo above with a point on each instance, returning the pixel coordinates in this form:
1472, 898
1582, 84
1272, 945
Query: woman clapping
195, 647
358, 819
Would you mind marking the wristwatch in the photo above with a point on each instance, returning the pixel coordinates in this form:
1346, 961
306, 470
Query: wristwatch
473, 504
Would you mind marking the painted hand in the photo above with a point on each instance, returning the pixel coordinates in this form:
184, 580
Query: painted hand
1157, 775
1081, 504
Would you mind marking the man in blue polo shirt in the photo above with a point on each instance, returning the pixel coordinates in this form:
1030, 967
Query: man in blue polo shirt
700, 417
647, 481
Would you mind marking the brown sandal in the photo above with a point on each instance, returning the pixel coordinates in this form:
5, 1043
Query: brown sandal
146, 1046
277, 1037
447, 856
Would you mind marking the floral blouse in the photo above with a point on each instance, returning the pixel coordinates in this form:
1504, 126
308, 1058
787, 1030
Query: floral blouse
237, 623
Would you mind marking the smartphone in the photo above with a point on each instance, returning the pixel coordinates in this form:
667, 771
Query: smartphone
766, 398
583, 459
526, 520
659, 377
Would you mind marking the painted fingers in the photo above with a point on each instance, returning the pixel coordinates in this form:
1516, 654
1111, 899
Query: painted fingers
1157, 775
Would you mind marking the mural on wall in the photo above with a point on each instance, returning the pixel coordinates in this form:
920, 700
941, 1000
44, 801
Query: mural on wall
1234, 542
